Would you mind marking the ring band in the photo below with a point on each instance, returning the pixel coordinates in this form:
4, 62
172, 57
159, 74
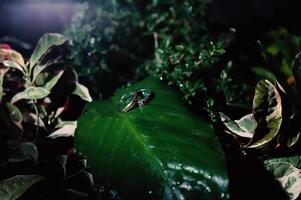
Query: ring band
134, 98
144, 96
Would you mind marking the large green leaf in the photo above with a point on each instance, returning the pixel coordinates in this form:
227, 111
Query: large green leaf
14, 187
267, 111
157, 151
46, 41
287, 171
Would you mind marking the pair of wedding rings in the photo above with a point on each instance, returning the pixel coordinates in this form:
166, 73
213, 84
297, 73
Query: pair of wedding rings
133, 99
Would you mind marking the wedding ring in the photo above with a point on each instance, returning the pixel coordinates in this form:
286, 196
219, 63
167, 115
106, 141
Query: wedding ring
134, 98
144, 96
127, 102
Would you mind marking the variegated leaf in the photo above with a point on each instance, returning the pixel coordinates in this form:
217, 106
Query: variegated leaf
286, 171
243, 127
31, 93
267, 111
67, 130
83, 92
12, 64
12, 55
46, 41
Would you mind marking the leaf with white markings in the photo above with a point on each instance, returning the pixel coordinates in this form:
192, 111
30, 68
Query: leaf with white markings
267, 111
14, 187
12, 64
287, 172
12, 55
66, 130
83, 92
46, 41
31, 93
243, 127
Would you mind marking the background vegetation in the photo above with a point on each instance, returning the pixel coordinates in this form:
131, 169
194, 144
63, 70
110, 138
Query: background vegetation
212, 62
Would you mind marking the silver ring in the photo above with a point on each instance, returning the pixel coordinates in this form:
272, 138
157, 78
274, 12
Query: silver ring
144, 96
127, 102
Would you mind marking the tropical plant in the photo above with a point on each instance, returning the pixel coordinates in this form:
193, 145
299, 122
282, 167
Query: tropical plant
31, 122
274, 129
157, 150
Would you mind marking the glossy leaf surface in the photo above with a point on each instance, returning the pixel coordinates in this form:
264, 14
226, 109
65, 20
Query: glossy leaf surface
157, 151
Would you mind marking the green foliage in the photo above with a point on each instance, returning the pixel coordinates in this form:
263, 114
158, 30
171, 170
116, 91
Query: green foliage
265, 121
30, 112
107, 43
168, 39
156, 151
277, 130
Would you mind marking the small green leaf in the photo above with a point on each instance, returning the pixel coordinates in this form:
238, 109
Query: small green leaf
13, 118
12, 64
244, 127
46, 41
82, 92
288, 175
14, 113
14, 187
31, 93
267, 111
50, 84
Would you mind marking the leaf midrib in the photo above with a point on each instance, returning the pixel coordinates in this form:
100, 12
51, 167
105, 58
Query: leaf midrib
153, 159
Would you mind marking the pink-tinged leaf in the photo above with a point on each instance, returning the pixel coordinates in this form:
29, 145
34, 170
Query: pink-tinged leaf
12, 55
12, 64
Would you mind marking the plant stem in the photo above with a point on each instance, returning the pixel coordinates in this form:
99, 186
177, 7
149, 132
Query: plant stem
38, 121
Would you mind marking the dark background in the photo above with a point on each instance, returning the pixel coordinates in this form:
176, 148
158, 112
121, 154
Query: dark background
27, 20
